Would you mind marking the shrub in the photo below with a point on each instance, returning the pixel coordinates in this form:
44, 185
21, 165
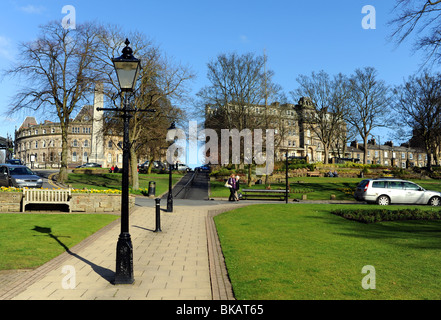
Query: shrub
378, 215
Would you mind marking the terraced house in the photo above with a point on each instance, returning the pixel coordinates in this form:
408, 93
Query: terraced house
403, 156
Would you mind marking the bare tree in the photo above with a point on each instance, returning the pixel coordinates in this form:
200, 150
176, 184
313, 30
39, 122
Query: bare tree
368, 103
328, 97
57, 74
421, 18
418, 105
239, 86
161, 83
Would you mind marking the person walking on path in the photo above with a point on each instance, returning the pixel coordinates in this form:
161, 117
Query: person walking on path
236, 193
232, 182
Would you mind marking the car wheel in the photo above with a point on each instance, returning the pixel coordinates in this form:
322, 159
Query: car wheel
383, 200
435, 201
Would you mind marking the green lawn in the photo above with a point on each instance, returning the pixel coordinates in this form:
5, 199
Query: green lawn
30, 240
302, 251
316, 188
113, 181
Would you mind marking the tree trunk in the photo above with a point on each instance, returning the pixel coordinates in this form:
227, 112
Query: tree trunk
365, 151
62, 176
134, 169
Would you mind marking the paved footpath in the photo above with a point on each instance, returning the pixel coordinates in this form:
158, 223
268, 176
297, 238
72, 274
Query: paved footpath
183, 262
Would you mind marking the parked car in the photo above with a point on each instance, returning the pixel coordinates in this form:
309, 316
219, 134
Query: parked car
90, 165
19, 177
385, 191
14, 161
155, 165
182, 167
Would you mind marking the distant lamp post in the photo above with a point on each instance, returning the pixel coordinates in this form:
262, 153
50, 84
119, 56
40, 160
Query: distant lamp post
170, 169
127, 69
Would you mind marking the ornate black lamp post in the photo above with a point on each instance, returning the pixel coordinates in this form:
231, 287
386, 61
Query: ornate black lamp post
127, 69
170, 169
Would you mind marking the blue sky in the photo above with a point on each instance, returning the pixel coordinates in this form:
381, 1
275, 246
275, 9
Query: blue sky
299, 36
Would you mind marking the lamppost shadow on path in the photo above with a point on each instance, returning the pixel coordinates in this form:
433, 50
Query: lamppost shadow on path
105, 273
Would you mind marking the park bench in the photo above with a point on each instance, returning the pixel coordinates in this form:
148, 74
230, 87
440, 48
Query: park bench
313, 173
47, 196
254, 194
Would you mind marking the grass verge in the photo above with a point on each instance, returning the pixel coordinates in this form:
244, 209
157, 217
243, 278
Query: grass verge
30, 240
316, 188
113, 181
302, 251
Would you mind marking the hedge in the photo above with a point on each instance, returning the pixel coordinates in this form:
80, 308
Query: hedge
378, 215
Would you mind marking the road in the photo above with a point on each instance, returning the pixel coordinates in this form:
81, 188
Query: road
44, 174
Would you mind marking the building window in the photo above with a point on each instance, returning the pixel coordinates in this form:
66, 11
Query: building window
110, 144
109, 158
403, 155
85, 156
75, 143
410, 156
86, 143
385, 154
74, 157
120, 158
36, 144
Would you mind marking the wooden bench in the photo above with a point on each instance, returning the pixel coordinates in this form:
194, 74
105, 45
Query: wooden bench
255, 194
313, 173
45, 196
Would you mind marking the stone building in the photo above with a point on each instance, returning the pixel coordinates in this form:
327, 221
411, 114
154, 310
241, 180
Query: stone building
402, 156
294, 130
38, 145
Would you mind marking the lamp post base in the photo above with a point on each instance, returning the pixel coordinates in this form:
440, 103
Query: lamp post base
124, 260
169, 204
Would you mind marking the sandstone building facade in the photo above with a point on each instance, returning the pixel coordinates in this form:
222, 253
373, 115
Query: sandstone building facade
38, 145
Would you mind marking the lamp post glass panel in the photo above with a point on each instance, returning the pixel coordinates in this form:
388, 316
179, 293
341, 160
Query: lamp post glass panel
170, 182
127, 69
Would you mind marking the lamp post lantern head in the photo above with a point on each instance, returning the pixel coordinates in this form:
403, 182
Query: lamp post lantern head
127, 68
172, 126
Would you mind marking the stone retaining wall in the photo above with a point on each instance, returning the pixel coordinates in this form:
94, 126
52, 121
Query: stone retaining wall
81, 202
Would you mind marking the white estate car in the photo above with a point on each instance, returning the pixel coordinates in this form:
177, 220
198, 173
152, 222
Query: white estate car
385, 191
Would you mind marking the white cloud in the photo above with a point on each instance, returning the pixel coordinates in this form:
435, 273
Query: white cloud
244, 39
31, 9
6, 48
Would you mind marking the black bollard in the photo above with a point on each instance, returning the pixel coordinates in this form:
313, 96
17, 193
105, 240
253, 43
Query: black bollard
158, 215
152, 189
